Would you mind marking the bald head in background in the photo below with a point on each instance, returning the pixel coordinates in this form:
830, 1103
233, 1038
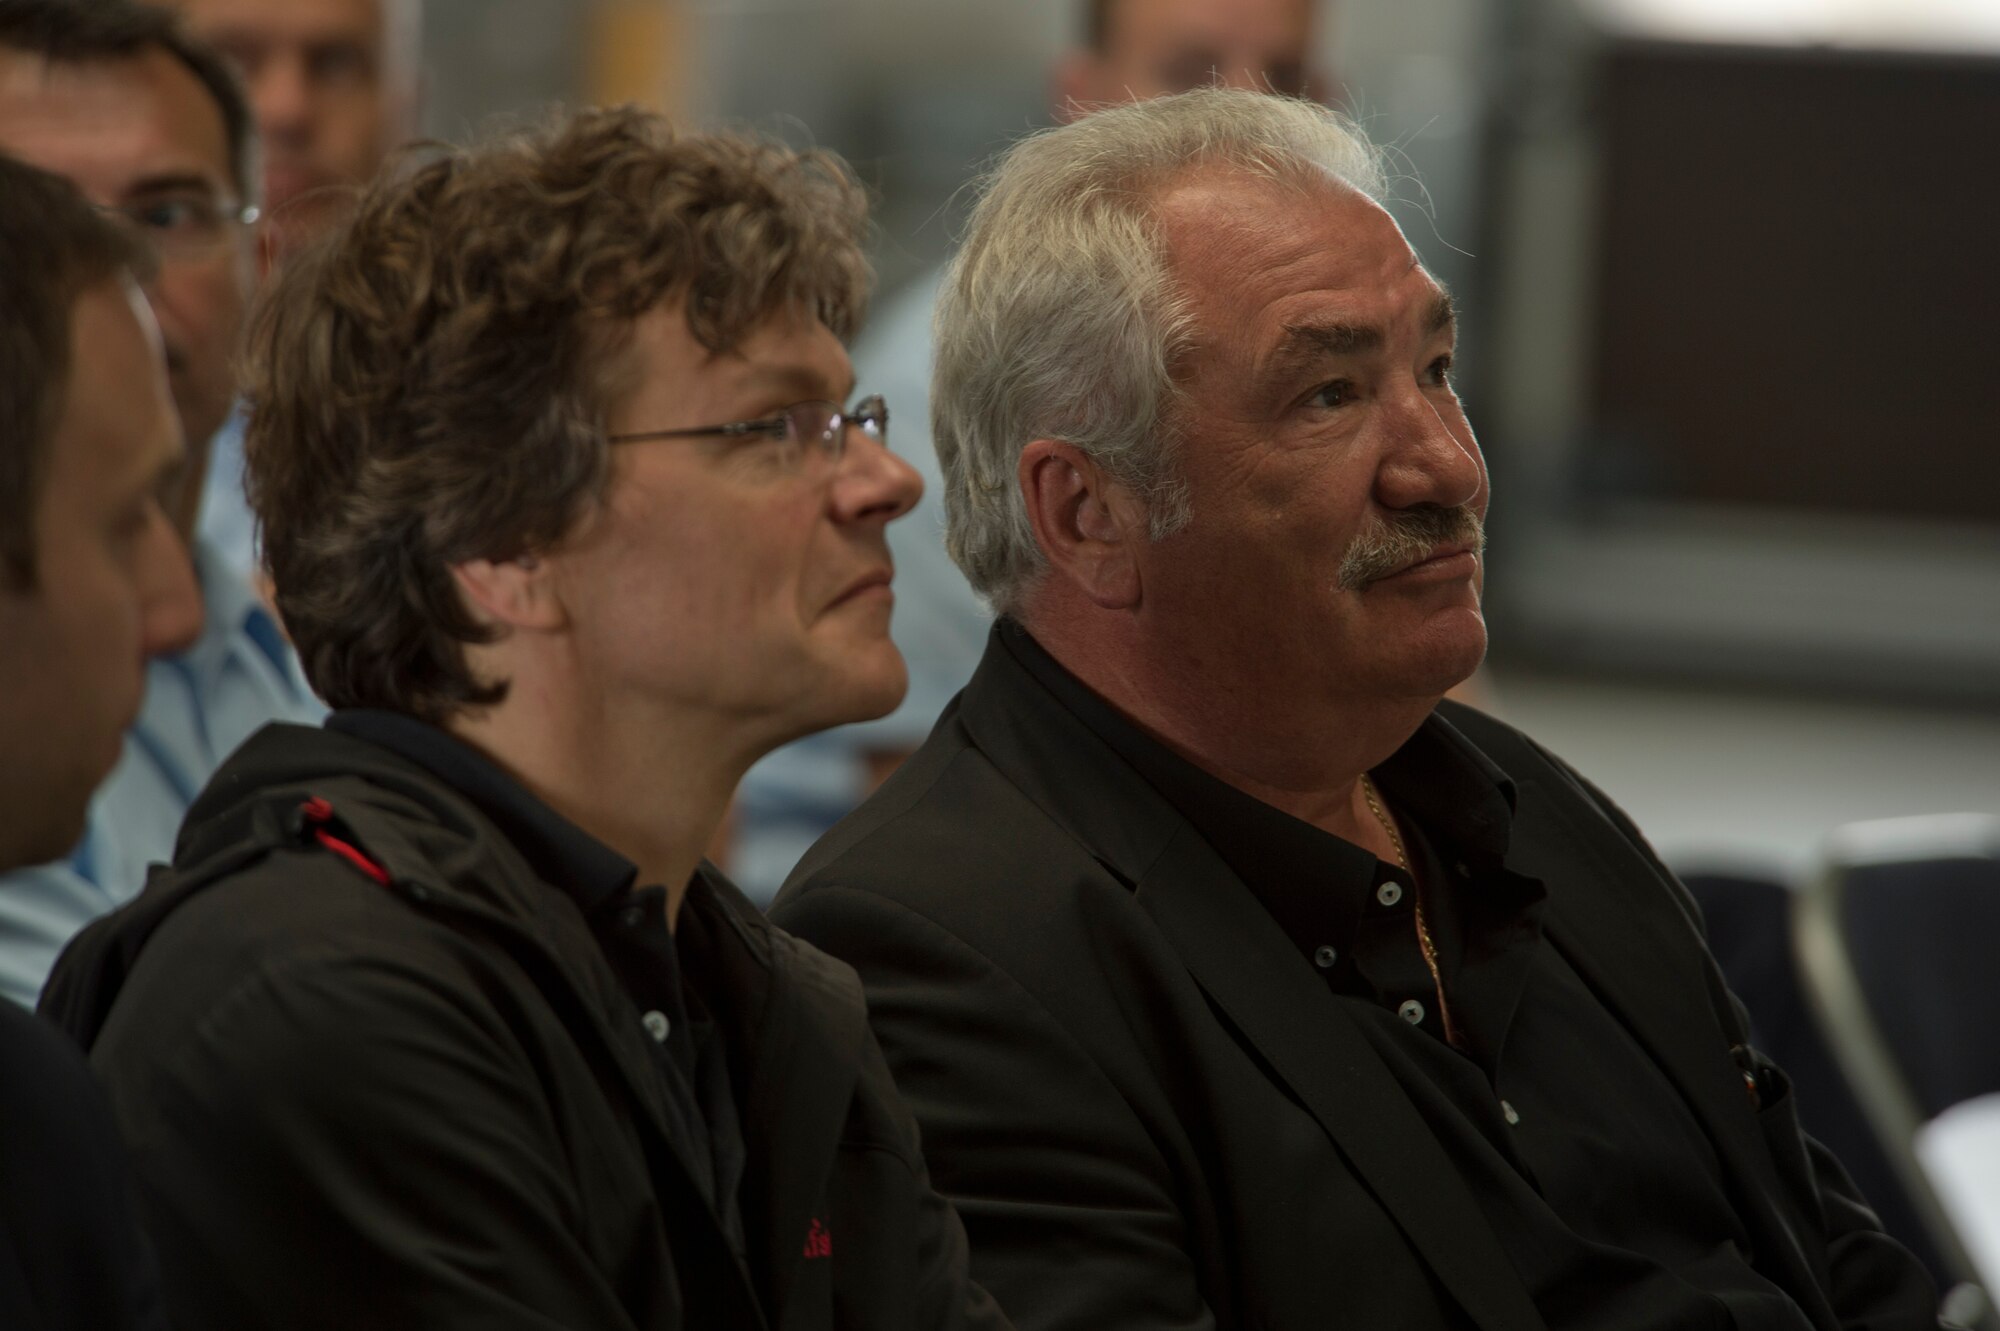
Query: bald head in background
334, 87
1135, 49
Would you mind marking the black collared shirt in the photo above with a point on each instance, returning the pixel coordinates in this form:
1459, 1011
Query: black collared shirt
629, 923
1594, 1175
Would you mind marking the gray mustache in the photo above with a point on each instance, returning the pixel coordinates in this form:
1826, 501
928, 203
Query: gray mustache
1406, 538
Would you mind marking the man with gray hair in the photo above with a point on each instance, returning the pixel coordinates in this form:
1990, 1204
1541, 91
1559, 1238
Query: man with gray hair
1235, 979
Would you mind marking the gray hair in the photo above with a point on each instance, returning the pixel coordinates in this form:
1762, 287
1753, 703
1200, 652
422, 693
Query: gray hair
1059, 318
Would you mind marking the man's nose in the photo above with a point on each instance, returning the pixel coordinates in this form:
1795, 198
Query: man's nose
1432, 457
873, 482
281, 96
170, 606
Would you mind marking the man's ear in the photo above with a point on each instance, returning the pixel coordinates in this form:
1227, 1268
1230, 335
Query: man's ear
1089, 524
516, 593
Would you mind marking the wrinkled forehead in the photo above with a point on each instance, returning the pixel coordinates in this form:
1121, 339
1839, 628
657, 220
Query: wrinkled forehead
1227, 226
1253, 259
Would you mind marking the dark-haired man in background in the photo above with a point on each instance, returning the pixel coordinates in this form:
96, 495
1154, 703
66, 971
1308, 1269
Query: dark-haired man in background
153, 128
333, 87
438, 1019
92, 581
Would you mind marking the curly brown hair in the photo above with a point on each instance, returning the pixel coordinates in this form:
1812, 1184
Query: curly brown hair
429, 384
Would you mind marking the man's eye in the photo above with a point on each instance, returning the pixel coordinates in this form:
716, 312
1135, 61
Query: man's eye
172, 215
248, 55
1440, 371
342, 63
131, 524
1339, 393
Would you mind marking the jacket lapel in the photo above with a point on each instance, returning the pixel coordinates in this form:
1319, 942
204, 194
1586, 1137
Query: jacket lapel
1647, 966
1246, 964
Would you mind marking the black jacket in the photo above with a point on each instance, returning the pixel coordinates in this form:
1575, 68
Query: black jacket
71, 1254
1123, 1066
428, 1103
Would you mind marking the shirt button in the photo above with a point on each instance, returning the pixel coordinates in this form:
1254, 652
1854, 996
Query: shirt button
631, 916
1325, 957
1389, 893
656, 1025
1461, 870
1507, 1112
1411, 1011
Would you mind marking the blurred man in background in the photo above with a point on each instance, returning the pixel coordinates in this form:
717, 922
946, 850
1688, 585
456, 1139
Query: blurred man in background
1128, 49
92, 581
333, 86
153, 128
1134, 49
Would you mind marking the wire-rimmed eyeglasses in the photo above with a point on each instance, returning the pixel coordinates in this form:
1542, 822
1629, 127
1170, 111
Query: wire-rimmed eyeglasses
823, 424
183, 224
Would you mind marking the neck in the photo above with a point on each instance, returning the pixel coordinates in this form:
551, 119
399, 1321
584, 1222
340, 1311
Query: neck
625, 779
1300, 754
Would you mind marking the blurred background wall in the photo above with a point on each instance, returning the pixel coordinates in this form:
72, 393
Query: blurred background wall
1730, 274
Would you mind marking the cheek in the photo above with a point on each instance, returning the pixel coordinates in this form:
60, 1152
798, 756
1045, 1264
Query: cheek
724, 569
94, 617
206, 304
356, 132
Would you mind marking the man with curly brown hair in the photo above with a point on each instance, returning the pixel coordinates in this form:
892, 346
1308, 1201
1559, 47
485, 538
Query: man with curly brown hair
438, 1018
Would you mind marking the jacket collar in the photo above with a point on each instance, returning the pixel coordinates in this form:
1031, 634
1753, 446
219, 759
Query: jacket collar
559, 852
1447, 784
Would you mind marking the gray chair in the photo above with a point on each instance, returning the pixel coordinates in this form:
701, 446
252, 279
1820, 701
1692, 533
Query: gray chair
1898, 937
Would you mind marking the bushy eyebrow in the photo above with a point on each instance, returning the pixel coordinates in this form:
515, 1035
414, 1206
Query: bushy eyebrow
170, 183
785, 384
1443, 314
1307, 342
1303, 344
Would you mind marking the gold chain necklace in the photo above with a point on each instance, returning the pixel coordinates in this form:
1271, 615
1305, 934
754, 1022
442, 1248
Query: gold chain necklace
1424, 943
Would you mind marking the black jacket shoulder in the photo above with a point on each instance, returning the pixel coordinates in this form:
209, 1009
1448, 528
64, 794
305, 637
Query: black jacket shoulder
72, 1257
373, 1071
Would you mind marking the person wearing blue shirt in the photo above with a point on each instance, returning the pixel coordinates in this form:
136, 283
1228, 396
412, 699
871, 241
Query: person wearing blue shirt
200, 704
153, 128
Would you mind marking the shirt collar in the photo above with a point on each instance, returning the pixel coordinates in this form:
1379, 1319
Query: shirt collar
1448, 786
234, 619
560, 852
